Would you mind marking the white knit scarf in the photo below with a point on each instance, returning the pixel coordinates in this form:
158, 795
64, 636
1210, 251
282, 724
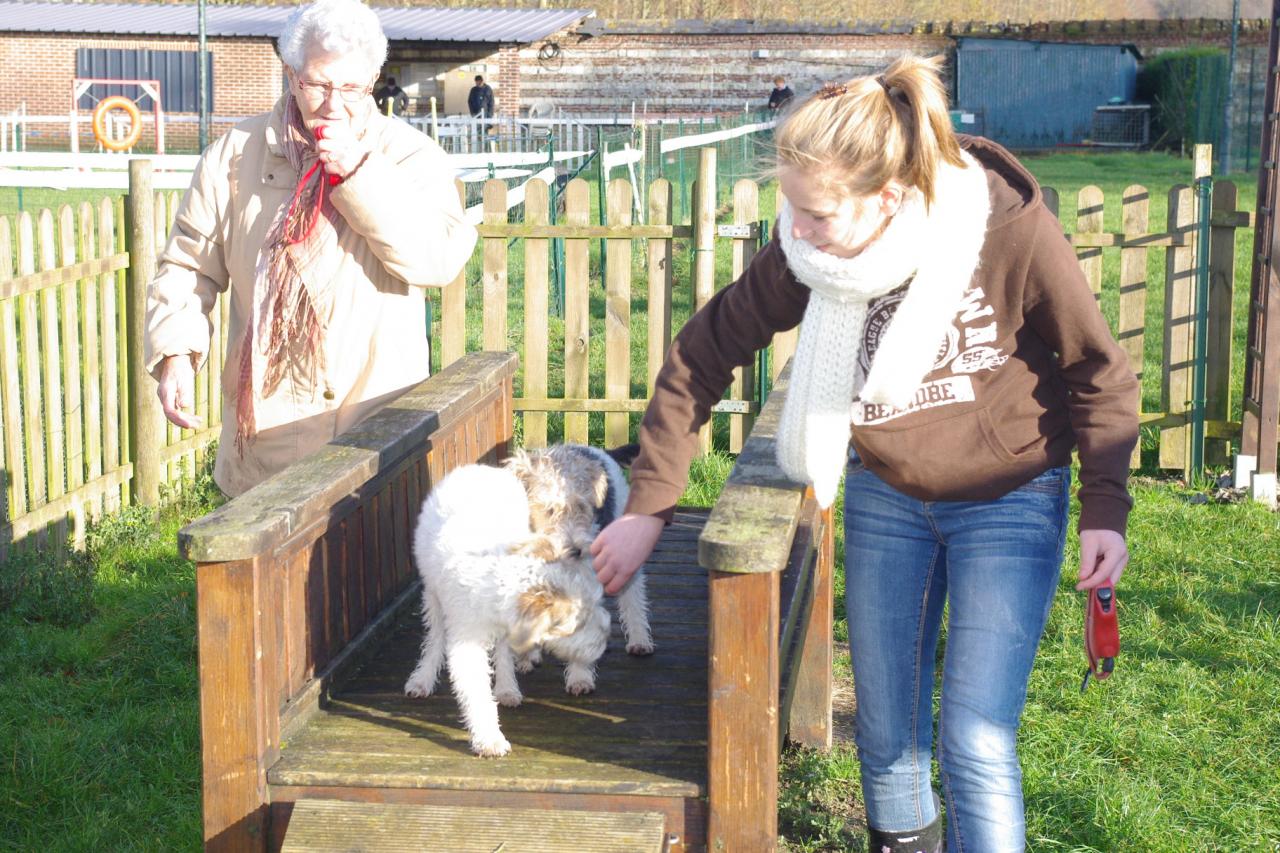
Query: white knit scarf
940, 247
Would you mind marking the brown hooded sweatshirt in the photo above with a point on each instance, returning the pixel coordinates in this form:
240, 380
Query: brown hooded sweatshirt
1030, 373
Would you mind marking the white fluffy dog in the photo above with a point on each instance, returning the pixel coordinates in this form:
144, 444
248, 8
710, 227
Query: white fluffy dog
487, 590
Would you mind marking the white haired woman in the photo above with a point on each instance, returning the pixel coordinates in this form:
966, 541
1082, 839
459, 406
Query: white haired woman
951, 358
323, 220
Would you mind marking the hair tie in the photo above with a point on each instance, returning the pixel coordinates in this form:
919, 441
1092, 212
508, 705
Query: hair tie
832, 90
895, 93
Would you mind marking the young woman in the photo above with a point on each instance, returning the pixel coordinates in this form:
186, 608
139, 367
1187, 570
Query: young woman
951, 358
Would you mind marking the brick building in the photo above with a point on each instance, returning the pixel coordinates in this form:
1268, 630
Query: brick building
560, 60
45, 46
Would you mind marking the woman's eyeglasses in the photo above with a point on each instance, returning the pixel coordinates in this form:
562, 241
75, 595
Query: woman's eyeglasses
320, 91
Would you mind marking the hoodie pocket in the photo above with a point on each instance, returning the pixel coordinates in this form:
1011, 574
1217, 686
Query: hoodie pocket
988, 429
959, 457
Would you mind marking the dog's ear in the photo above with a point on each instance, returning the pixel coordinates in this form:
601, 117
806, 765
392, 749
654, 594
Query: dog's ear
599, 484
624, 455
542, 613
520, 464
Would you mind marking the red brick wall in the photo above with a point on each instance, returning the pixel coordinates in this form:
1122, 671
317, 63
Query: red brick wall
508, 84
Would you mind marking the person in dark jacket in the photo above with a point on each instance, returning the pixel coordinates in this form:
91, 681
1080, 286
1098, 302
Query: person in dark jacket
951, 358
395, 96
480, 99
781, 94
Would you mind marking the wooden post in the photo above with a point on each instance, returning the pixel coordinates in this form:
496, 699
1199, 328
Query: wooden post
617, 314
810, 717
536, 256
73, 406
704, 248
1132, 324
1222, 272
746, 210
1089, 221
742, 740
577, 310
660, 207
453, 309
1179, 323
234, 772
784, 343
51, 359
113, 354
15, 485
145, 417
495, 268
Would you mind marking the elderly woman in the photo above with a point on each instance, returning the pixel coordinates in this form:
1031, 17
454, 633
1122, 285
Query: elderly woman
325, 220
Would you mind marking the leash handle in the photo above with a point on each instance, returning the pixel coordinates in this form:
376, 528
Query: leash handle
1101, 633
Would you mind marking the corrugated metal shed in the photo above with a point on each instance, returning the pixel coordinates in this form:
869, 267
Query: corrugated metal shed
1040, 94
400, 23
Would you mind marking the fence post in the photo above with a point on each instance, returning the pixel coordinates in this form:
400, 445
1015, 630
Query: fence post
1222, 280
1179, 328
146, 436
784, 343
746, 210
704, 248
453, 307
1131, 324
1204, 200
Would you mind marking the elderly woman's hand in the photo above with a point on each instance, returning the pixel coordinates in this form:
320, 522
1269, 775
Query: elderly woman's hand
340, 150
176, 390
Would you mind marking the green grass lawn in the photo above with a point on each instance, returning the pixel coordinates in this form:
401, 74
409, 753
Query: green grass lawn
99, 736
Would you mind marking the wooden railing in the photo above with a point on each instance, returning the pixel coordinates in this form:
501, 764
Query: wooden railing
297, 578
769, 552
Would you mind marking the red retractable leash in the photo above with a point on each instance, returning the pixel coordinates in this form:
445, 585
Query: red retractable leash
1101, 634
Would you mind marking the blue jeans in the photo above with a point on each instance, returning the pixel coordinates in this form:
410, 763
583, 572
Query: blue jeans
996, 564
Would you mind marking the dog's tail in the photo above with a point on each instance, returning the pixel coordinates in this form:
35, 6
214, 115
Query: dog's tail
624, 455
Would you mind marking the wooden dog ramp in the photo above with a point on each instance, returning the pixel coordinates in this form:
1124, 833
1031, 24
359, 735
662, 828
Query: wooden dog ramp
334, 826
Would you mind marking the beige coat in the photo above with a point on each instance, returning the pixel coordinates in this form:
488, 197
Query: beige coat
406, 232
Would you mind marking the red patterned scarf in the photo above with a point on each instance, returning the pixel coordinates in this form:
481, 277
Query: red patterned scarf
292, 293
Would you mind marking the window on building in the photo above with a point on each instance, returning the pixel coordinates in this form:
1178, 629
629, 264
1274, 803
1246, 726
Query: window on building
175, 69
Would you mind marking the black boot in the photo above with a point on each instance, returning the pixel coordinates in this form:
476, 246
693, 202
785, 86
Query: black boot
927, 839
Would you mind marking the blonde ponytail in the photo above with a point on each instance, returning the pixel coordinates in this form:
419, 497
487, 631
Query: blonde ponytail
860, 135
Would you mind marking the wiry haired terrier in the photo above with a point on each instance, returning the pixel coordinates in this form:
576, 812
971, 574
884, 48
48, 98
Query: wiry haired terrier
506, 572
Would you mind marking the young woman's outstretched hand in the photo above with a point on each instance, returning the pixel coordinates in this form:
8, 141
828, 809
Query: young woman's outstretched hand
1103, 556
620, 549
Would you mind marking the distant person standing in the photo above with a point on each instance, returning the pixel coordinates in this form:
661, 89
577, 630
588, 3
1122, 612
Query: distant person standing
780, 95
391, 94
480, 100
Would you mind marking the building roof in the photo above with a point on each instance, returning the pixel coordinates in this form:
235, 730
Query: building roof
400, 23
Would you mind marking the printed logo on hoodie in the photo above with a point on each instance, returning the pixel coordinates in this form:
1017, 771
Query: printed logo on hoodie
965, 347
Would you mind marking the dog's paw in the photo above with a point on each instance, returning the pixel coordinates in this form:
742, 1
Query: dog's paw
509, 698
579, 681
419, 688
490, 747
640, 648
525, 663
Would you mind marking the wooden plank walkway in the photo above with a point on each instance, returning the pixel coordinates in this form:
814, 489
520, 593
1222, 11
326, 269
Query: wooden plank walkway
638, 743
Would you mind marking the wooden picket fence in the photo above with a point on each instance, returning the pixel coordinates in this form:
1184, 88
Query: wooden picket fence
81, 431
71, 313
